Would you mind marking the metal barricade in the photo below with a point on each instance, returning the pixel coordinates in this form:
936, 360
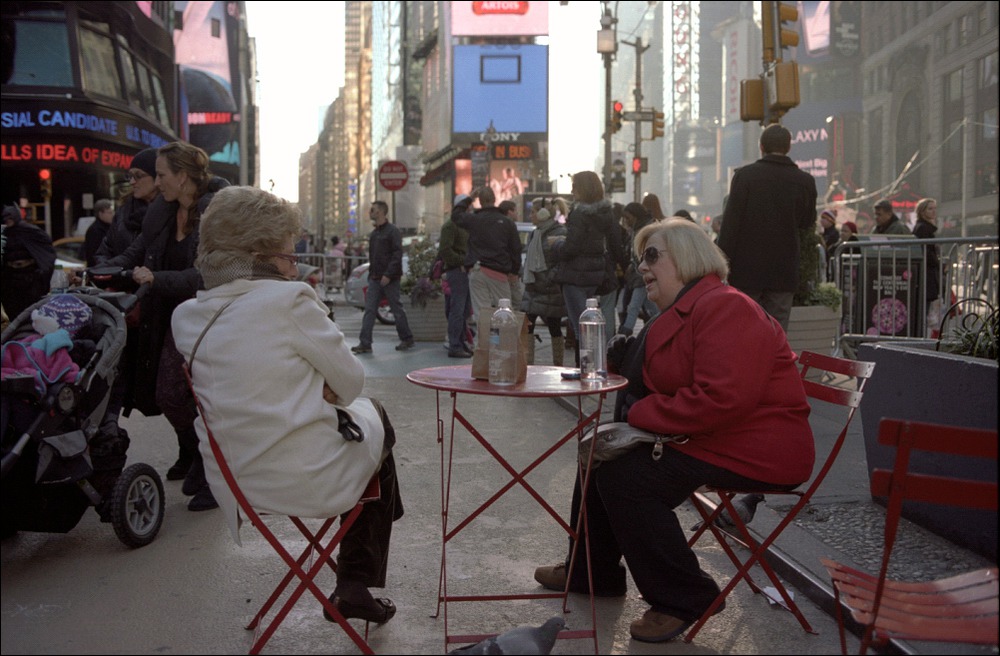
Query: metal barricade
335, 269
884, 283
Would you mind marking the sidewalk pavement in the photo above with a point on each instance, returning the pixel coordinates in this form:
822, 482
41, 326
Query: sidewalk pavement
192, 590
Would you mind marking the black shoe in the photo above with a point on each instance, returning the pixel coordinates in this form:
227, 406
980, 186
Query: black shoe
361, 348
203, 500
405, 345
459, 353
180, 468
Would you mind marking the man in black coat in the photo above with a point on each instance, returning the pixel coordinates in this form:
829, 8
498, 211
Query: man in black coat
28, 263
770, 202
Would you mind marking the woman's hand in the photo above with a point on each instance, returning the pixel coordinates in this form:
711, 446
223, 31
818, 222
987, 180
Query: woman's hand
618, 346
329, 395
142, 276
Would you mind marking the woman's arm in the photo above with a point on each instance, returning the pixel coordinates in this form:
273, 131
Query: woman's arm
320, 342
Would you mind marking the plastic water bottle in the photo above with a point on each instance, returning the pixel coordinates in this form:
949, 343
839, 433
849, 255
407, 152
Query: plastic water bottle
59, 280
593, 343
504, 335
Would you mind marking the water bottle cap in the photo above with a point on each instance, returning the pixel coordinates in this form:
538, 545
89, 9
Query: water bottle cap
504, 303
591, 302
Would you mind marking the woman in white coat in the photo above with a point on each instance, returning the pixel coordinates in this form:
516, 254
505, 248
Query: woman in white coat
271, 370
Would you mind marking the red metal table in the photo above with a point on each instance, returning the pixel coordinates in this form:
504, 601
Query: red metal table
541, 381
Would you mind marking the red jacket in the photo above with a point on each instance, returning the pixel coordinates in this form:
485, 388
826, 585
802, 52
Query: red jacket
719, 369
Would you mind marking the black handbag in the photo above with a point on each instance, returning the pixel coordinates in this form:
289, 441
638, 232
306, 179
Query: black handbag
349, 430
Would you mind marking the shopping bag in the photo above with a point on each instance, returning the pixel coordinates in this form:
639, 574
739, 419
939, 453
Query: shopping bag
481, 354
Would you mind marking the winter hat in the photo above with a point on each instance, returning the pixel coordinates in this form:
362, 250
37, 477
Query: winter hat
461, 198
884, 204
830, 214
851, 225
64, 311
543, 214
145, 161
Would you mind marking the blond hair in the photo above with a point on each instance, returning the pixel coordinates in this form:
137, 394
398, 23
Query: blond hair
241, 221
692, 251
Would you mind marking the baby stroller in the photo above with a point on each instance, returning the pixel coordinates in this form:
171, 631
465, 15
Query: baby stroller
60, 456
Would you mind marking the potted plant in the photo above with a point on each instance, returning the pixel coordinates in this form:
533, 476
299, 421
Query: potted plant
815, 316
422, 283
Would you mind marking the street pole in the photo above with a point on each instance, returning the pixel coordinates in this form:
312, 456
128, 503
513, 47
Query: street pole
607, 119
637, 191
607, 45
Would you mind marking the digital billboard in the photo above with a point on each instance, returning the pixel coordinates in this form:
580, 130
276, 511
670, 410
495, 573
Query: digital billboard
503, 86
499, 18
205, 43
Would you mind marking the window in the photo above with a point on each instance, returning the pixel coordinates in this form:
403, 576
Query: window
160, 99
40, 55
132, 92
875, 147
216, 28
985, 134
147, 94
100, 71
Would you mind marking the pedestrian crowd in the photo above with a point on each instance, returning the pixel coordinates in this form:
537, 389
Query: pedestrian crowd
697, 320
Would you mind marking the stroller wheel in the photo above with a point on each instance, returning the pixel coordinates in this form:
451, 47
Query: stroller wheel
137, 505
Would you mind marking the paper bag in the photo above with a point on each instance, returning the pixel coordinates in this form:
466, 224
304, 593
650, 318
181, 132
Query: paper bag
481, 355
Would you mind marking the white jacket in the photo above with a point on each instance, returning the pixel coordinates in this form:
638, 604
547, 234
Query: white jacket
259, 373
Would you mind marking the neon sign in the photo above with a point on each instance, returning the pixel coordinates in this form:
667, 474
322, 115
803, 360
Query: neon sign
63, 153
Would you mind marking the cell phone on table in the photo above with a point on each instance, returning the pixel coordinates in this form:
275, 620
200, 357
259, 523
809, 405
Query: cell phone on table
572, 374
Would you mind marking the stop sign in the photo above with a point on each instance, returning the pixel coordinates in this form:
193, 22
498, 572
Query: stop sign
393, 175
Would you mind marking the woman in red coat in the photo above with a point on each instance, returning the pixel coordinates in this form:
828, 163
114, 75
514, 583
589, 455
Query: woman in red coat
713, 366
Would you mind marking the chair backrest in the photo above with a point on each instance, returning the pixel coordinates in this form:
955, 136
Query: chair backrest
901, 484
849, 397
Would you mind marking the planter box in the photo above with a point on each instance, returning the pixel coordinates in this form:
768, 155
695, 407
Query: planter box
429, 323
813, 328
957, 390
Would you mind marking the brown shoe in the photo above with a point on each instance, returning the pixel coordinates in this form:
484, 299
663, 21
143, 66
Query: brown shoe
552, 577
658, 627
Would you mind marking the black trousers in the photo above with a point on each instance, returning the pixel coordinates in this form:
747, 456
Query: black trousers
630, 513
364, 551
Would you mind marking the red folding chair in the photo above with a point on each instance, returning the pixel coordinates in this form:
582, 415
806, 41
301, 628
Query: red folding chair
962, 608
819, 387
310, 562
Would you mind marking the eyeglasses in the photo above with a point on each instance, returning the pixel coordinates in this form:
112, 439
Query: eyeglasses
291, 258
135, 177
652, 255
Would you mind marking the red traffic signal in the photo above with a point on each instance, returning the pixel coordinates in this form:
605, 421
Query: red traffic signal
616, 115
45, 181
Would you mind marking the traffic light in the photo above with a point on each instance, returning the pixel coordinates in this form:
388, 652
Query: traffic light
657, 124
45, 181
783, 86
616, 116
640, 165
752, 100
773, 19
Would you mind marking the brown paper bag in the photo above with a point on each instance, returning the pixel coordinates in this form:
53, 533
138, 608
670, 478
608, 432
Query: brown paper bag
481, 356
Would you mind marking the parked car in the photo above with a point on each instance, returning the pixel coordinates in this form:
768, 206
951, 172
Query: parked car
69, 248
356, 286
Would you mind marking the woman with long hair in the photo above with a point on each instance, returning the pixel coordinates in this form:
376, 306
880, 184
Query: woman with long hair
162, 259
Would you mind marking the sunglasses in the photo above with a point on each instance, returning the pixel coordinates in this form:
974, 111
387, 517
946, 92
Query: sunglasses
652, 255
135, 177
291, 258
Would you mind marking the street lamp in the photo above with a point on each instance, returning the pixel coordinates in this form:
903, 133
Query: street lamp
607, 45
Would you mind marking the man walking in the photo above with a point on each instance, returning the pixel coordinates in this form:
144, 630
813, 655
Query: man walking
453, 249
886, 221
494, 250
385, 268
770, 202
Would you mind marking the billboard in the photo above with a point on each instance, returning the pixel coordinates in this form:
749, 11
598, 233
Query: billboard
205, 44
503, 86
499, 18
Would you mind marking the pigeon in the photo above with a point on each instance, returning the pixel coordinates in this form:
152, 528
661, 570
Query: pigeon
522, 640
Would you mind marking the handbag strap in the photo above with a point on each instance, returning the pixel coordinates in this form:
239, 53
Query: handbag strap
205, 330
